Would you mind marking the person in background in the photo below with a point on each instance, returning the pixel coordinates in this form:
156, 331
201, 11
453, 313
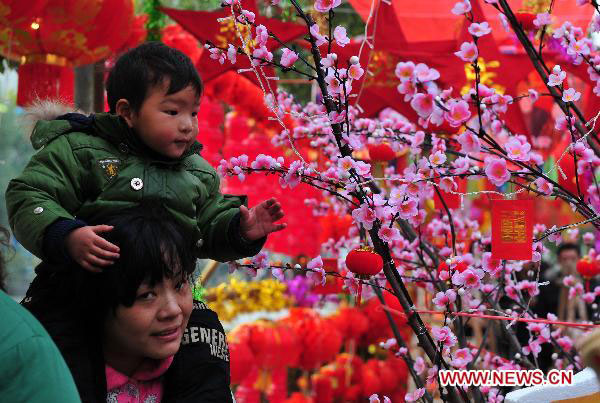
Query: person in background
32, 369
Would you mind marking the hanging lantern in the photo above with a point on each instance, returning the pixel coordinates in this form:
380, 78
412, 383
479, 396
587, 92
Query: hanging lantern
14, 12
64, 34
241, 361
588, 268
363, 262
381, 152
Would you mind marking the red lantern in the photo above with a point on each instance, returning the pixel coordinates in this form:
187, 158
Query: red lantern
273, 345
64, 34
13, 12
351, 322
381, 152
526, 21
587, 268
364, 262
241, 361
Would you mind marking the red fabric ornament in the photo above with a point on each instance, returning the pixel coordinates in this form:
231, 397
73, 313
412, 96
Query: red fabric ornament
40, 80
369, 381
298, 397
364, 261
173, 35
322, 387
351, 322
381, 152
273, 345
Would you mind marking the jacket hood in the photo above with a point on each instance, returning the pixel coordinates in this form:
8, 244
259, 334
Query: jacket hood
50, 119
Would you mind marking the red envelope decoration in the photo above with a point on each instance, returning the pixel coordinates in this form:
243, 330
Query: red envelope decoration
512, 229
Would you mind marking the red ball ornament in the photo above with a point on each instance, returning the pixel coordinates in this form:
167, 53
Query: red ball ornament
381, 152
364, 262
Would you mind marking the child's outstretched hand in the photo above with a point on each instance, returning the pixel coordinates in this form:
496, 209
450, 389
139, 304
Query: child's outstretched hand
259, 221
89, 250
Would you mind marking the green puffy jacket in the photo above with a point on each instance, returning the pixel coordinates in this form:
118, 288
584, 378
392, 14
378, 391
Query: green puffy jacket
90, 170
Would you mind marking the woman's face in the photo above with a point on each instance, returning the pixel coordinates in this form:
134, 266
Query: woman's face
152, 327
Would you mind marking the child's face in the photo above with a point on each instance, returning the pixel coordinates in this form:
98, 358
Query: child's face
152, 327
168, 124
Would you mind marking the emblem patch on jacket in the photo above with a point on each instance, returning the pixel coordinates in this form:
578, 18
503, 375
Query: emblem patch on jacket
110, 167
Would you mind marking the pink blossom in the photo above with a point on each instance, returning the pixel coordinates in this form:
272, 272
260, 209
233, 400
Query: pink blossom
388, 234
262, 53
533, 347
564, 123
408, 209
335, 117
261, 260
443, 335
314, 31
437, 158
248, 16
329, 60
419, 365
462, 7
468, 52
517, 150
458, 112
263, 161
288, 57
355, 72
588, 297
217, 54
504, 22
324, 6
444, 298
424, 74
533, 95
364, 215
362, 168
293, 176
544, 186
422, 104
462, 357
461, 165
231, 53
496, 171
500, 102
404, 70
542, 19
447, 184
278, 274
570, 95
339, 33
470, 278
414, 395
334, 85
408, 88
262, 35
315, 271
346, 163
469, 142
479, 30
557, 76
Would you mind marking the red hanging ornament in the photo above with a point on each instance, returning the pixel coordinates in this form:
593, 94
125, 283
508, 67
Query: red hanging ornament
364, 263
381, 152
588, 269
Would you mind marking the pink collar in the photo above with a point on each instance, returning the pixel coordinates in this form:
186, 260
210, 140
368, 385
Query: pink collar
149, 370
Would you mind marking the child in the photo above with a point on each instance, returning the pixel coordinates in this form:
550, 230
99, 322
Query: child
143, 151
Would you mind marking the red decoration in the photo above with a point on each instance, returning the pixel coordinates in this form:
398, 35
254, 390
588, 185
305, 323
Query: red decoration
461, 266
40, 80
174, 36
381, 152
333, 284
351, 322
14, 12
512, 229
65, 33
241, 361
526, 21
273, 346
588, 268
364, 262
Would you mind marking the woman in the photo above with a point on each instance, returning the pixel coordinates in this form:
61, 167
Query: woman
133, 315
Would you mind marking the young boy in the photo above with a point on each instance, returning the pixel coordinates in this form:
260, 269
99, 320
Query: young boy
144, 150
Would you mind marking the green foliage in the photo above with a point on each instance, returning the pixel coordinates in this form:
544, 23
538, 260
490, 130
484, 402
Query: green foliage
156, 20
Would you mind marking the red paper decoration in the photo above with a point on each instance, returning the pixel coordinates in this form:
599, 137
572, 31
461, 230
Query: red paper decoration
512, 229
273, 345
174, 36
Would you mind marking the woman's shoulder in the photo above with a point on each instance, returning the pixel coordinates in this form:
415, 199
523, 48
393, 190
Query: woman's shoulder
18, 325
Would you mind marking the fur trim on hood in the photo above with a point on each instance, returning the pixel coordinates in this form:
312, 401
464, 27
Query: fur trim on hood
45, 109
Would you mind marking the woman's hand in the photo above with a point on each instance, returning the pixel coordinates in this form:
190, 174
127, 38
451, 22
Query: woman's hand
89, 250
259, 221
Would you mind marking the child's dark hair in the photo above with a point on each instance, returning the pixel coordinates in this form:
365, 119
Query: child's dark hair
567, 246
146, 66
151, 248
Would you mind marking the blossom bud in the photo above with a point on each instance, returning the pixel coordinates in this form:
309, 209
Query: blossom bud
530, 273
554, 356
207, 46
517, 356
461, 291
594, 306
297, 266
354, 60
333, 56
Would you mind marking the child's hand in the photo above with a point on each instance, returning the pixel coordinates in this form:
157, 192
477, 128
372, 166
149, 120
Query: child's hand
259, 221
90, 250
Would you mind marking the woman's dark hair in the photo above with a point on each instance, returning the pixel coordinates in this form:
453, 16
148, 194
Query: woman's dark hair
152, 248
147, 66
